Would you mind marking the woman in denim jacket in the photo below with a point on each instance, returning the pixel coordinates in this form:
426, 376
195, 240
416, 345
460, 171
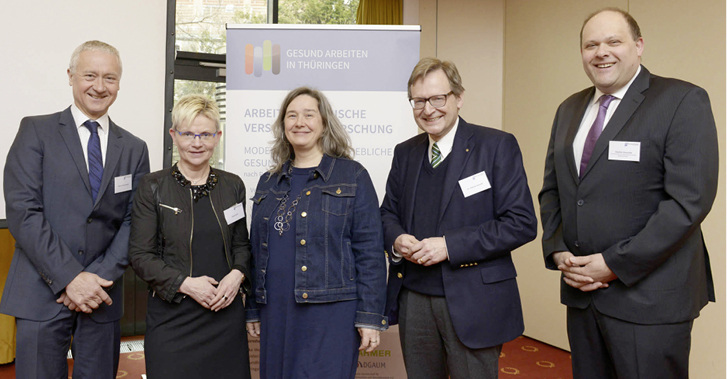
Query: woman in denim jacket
319, 269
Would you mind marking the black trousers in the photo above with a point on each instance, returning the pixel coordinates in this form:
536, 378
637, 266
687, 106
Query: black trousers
606, 347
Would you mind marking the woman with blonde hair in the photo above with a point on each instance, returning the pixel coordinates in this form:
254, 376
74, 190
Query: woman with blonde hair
189, 241
319, 273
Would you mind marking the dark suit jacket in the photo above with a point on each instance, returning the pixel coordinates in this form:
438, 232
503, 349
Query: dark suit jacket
59, 231
480, 230
643, 216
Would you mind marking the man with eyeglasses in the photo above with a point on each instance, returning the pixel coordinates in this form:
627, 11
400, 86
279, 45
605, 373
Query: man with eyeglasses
69, 181
457, 203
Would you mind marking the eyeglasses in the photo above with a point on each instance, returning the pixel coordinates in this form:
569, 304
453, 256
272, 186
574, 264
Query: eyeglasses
189, 136
436, 101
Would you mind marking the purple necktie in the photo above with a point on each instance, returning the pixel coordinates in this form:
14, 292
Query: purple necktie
95, 160
594, 132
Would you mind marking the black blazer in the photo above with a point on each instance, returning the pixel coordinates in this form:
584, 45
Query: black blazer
645, 216
480, 230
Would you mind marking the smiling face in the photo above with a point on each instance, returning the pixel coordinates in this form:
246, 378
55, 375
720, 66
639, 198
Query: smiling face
95, 82
437, 122
610, 54
195, 154
303, 124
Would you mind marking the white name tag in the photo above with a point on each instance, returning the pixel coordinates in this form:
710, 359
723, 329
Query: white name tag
624, 151
122, 183
234, 213
474, 184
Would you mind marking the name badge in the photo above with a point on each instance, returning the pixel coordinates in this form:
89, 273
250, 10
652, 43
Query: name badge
474, 184
234, 213
122, 183
624, 151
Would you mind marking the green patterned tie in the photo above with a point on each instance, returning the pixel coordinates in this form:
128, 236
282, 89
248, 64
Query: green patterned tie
436, 155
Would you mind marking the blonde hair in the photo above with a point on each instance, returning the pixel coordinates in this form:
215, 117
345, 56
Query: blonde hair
334, 140
427, 65
93, 46
191, 106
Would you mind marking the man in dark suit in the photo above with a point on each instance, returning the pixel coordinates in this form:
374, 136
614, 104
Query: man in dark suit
69, 181
457, 203
621, 212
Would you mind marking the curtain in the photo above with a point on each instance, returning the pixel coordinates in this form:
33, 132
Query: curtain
7, 323
380, 12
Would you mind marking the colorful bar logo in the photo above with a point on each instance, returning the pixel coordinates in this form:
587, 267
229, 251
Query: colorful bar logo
265, 58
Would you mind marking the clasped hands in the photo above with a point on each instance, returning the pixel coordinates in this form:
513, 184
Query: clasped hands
211, 294
586, 273
85, 293
426, 252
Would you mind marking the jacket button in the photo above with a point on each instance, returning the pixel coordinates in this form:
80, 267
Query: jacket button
304, 268
383, 322
302, 242
303, 214
305, 295
315, 175
80, 252
88, 221
338, 191
580, 202
307, 193
577, 244
399, 275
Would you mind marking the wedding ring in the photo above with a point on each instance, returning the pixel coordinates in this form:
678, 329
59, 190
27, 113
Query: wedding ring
420, 260
224, 297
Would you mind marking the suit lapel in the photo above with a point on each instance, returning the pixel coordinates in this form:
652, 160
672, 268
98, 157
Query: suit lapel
573, 127
114, 149
630, 102
69, 134
414, 166
461, 151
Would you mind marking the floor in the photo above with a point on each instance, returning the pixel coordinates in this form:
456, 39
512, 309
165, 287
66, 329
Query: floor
523, 358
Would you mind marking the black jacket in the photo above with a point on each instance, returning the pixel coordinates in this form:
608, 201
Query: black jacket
161, 230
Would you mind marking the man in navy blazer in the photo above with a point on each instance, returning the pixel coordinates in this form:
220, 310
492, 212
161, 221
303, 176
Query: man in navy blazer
624, 225
457, 203
71, 246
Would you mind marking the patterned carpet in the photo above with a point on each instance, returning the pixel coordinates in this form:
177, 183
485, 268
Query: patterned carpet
521, 358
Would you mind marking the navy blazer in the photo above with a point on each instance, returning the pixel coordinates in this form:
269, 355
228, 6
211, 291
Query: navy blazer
59, 230
644, 216
481, 230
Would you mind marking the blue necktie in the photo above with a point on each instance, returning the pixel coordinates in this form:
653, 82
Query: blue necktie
95, 159
594, 132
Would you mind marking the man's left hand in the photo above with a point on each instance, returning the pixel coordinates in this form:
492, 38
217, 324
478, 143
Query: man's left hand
592, 266
429, 251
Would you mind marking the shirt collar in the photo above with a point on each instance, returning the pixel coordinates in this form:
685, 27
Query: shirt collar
79, 118
324, 169
445, 143
621, 92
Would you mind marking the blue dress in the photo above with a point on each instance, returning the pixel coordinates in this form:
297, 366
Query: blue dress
312, 340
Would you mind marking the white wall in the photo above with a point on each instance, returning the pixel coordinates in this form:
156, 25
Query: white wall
38, 37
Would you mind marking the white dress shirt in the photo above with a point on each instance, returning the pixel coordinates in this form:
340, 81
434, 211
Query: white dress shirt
84, 134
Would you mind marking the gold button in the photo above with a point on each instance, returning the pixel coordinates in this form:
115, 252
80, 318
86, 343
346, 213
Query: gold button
305, 295
303, 214
307, 193
315, 175
398, 275
302, 242
338, 191
383, 322
304, 268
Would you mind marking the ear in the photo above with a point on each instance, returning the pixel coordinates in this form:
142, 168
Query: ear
639, 46
460, 100
70, 77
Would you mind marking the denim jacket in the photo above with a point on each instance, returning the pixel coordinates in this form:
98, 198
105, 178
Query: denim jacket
339, 252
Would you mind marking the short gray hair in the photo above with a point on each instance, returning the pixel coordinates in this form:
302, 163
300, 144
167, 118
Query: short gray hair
93, 46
